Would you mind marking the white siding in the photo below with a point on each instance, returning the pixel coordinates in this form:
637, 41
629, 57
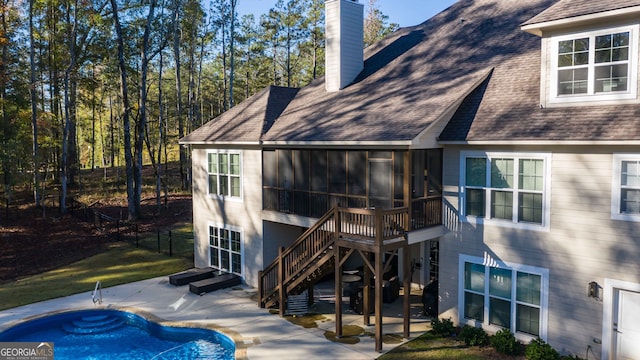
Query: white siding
582, 245
244, 214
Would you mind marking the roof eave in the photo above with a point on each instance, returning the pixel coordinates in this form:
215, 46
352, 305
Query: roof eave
225, 143
377, 143
539, 28
542, 142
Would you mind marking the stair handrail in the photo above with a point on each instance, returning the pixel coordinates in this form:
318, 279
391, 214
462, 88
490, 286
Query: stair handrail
96, 296
271, 272
375, 225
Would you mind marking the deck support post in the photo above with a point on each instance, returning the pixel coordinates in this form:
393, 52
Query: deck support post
407, 289
338, 274
378, 280
338, 288
366, 294
282, 288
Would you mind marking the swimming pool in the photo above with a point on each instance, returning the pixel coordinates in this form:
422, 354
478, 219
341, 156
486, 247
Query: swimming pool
116, 334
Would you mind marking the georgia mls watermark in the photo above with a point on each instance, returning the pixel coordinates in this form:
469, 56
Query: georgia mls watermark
26, 351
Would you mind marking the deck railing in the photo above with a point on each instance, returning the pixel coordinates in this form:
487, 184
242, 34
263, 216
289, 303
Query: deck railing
425, 212
374, 226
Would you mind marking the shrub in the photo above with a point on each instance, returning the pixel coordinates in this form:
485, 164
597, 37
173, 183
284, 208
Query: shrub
504, 341
474, 336
540, 350
442, 327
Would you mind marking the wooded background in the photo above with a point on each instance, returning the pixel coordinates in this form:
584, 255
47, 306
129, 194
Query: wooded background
115, 83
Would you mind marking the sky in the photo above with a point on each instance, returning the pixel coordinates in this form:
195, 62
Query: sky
402, 12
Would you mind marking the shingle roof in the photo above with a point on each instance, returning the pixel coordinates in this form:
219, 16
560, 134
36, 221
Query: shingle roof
572, 8
417, 74
508, 108
411, 78
247, 121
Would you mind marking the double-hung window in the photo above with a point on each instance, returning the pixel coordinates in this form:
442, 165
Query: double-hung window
503, 295
625, 193
600, 65
505, 187
224, 170
225, 249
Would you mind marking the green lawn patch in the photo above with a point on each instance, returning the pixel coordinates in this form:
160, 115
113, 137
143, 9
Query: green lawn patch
180, 241
430, 346
122, 263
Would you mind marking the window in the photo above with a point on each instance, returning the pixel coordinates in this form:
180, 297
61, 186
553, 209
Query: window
224, 169
594, 66
225, 249
504, 296
625, 194
505, 187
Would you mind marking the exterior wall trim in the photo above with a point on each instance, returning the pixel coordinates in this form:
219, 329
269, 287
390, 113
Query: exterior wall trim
242, 239
488, 260
538, 28
607, 319
616, 187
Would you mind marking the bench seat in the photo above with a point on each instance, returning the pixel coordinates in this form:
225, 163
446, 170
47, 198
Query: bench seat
215, 283
191, 275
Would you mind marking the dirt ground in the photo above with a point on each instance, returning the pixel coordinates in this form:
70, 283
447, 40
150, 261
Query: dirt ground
33, 242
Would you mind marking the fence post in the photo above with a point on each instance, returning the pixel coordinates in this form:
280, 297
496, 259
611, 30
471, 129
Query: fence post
158, 240
136, 235
117, 230
170, 244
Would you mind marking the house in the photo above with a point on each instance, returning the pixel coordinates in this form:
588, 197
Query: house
507, 132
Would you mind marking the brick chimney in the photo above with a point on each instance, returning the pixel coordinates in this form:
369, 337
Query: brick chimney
344, 42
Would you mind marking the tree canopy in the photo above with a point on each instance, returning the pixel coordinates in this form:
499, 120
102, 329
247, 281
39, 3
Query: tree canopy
115, 83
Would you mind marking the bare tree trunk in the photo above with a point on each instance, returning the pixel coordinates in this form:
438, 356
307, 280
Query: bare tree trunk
176, 56
34, 105
6, 167
66, 129
131, 207
93, 121
232, 36
199, 117
142, 120
160, 137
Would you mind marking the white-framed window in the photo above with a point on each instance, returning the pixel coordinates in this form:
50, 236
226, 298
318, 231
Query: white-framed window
225, 173
501, 295
225, 248
508, 189
594, 66
625, 187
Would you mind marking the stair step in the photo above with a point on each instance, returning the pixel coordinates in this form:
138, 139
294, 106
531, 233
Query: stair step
192, 275
94, 322
214, 283
298, 304
80, 328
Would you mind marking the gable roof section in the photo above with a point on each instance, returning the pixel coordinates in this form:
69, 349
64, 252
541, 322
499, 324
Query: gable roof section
566, 9
507, 109
246, 122
413, 77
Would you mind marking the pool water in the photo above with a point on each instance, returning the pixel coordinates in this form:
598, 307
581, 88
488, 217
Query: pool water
114, 334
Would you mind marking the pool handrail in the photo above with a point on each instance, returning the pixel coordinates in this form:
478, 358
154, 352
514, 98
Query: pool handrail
97, 291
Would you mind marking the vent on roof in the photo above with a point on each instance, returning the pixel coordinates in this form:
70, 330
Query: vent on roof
344, 42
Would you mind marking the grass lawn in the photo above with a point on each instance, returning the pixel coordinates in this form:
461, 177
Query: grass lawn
429, 346
122, 263
180, 242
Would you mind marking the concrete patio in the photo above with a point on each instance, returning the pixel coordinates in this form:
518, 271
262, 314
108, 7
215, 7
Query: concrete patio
258, 333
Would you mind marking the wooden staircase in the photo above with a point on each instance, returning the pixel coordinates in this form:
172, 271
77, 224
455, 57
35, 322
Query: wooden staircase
312, 256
